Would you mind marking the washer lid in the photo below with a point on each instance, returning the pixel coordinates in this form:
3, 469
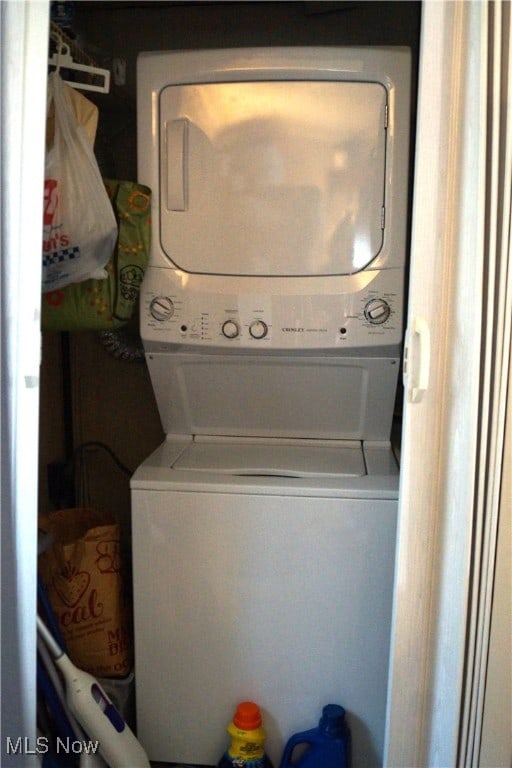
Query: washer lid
275, 458
278, 178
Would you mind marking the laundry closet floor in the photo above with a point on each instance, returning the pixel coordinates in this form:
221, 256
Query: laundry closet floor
178, 765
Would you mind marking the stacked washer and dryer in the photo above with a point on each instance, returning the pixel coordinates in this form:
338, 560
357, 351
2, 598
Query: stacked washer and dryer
271, 315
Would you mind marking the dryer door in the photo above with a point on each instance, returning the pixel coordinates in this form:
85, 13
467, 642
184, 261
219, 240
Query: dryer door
272, 178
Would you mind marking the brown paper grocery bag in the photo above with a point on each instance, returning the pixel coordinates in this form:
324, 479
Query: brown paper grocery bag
83, 575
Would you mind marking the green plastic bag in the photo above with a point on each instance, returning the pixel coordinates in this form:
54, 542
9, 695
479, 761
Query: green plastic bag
98, 305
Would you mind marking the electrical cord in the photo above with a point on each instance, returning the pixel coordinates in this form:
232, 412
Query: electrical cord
102, 446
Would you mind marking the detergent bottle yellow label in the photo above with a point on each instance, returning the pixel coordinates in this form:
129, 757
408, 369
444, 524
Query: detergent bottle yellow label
246, 745
247, 740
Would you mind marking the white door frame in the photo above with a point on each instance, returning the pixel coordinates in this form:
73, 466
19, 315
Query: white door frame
446, 428
24, 50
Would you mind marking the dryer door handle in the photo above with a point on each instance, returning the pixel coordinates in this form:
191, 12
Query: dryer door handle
176, 162
417, 359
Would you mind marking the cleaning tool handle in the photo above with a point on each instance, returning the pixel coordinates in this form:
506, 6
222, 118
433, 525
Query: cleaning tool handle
95, 712
100, 719
50, 641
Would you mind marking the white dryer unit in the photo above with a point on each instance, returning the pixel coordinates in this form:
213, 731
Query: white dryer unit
271, 314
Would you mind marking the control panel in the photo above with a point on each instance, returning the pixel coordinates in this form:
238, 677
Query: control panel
371, 316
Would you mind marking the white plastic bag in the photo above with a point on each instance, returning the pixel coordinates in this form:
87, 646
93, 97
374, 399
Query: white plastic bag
79, 226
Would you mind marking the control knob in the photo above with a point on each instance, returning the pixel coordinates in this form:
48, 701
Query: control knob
161, 308
377, 311
230, 329
258, 329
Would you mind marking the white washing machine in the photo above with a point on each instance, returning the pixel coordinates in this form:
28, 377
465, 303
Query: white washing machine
271, 314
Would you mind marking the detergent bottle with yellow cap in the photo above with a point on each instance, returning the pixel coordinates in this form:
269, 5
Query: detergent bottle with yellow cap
247, 748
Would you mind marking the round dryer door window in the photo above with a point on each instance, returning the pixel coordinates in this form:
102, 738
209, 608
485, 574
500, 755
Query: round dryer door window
273, 178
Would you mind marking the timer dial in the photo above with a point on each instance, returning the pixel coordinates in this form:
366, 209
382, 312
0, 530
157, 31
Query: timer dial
258, 329
377, 311
230, 329
161, 308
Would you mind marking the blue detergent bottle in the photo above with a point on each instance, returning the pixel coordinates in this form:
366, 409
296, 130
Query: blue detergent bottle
327, 746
